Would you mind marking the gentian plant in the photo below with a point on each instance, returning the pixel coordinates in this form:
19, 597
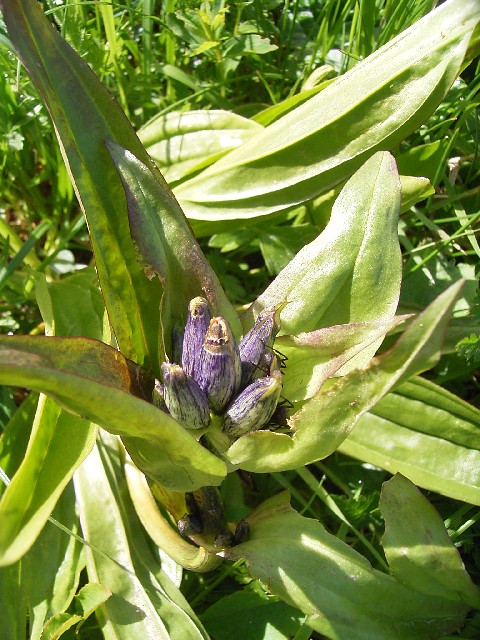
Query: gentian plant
155, 391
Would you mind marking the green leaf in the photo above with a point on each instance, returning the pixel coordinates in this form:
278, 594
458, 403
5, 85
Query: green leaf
426, 407
185, 142
280, 244
425, 433
144, 603
414, 190
314, 357
255, 617
91, 596
342, 595
13, 604
58, 624
423, 160
14, 439
373, 106
85, 116
167, 247
469, 348
417, 546
421, 286
276, 111
50, 571
73, 306
46, 469
52, 454
247, 43
325, 420
89, 378
341, 277
130, 611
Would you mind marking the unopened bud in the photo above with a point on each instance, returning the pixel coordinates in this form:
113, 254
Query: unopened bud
194, 335
185, 400
257, 343
219, 373
241, 532
254, 407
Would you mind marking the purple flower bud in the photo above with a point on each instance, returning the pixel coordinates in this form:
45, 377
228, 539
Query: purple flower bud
185, 400
257, 343
254, 407
219, 372
195, 330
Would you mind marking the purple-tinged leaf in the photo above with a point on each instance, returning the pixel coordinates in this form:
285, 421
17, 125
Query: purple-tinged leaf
93, 380
167, 247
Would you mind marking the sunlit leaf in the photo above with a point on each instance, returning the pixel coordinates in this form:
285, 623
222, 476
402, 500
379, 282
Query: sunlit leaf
185, 142
325, 420
373, 106
417, 546
338, 589
314, 357
91, 596
425, 433
144, 604
341, 277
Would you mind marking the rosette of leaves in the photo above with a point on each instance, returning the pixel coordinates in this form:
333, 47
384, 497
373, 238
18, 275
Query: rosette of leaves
332, 306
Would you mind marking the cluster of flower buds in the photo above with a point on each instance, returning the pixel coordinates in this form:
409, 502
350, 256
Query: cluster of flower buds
239, 381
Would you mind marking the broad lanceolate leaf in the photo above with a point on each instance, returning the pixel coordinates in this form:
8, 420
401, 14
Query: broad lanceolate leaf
166, 246
185, 142
144, 604
428, 408
51, 569
325, 420
343, 276
86, 117
91, 379
129, 612
250, 610
417, 546
373, 106
62, 441
59, 441
425, 433
343, 596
